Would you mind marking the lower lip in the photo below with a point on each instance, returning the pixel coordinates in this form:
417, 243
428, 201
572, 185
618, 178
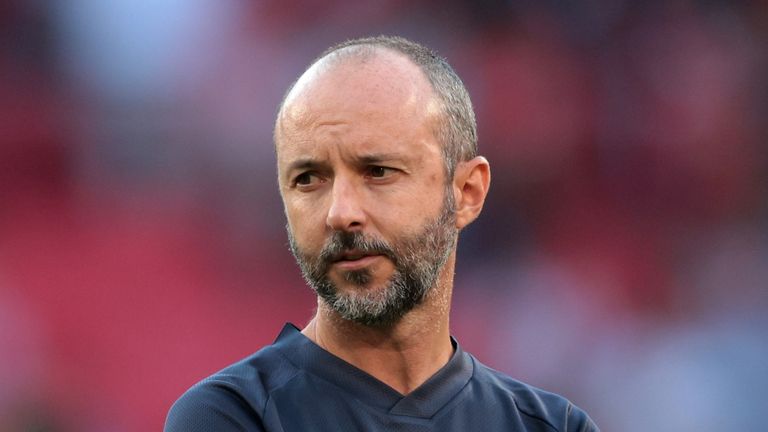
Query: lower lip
356, 264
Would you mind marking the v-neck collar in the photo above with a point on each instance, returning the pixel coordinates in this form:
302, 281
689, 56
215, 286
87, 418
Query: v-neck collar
423, 402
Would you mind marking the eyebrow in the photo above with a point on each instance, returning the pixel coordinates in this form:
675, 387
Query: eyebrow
365, 159
374, 158
304, 163
309, 163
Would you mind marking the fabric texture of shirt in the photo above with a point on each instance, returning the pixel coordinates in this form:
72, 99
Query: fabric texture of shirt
294, 385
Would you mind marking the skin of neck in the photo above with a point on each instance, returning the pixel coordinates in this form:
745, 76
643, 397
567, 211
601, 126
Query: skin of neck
403, 355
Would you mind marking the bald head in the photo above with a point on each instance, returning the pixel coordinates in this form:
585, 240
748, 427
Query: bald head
378, 83
411, 66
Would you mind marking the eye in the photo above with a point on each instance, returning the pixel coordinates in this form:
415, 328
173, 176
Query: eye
306, 180
303, 179
377, 171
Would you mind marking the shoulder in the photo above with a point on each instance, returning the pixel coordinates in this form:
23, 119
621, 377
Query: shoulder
537, 405
234, 398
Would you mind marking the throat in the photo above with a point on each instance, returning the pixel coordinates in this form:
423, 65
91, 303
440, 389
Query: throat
403, 359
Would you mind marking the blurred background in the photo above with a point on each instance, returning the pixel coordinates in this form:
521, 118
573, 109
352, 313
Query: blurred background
621, 259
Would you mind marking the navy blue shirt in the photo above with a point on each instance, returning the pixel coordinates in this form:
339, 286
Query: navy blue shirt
294, 385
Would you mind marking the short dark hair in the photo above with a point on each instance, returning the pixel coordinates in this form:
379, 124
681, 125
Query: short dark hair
457, 128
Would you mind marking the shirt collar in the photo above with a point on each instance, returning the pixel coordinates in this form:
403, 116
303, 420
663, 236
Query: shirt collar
423, 402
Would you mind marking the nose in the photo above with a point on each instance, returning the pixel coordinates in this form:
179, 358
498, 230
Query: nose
346, 211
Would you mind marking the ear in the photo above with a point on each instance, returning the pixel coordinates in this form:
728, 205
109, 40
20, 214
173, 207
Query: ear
471, 181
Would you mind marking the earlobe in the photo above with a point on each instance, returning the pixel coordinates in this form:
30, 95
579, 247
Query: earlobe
470, 184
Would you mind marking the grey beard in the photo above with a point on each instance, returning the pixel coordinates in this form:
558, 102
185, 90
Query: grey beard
418, 261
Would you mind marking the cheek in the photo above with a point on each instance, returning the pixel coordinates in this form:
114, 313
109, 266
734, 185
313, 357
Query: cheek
407, 214
307, 224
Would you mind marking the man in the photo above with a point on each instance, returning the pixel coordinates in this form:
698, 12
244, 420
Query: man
378, 170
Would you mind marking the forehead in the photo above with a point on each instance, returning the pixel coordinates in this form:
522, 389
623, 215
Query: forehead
383, 93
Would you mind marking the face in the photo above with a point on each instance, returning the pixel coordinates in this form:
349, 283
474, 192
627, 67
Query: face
370, 213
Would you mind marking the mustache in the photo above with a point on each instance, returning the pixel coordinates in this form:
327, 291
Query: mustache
341, 242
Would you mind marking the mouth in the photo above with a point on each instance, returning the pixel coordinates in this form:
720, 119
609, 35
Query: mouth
354, 259
352, 255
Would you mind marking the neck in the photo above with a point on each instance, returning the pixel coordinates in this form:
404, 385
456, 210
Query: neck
403, 355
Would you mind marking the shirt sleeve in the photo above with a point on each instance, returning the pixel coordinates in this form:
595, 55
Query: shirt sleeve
207, 407
579, 421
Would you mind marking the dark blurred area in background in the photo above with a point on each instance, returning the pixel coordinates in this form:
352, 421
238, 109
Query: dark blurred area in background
621, 260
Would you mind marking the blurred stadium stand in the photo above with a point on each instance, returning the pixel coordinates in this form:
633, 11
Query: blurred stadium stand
621, 260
